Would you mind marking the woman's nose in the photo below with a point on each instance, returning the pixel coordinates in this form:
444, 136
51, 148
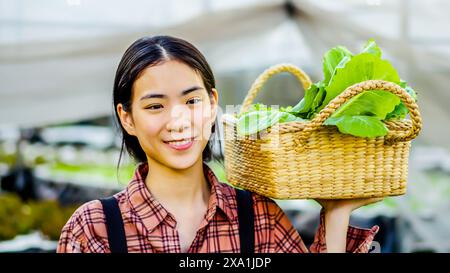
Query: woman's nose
180, 119
178, 126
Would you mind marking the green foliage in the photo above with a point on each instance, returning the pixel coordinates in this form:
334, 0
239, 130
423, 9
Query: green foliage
261, 117
361, 116
17, 217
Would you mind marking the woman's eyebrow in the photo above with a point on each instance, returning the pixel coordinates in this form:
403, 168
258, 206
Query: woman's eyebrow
183, 93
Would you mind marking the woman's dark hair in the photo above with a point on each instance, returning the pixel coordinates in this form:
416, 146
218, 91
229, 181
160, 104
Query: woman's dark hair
150, 51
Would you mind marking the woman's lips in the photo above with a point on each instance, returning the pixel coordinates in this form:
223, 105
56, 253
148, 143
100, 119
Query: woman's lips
181, 144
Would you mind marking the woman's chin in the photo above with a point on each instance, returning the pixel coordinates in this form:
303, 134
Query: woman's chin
182, 159
182, 162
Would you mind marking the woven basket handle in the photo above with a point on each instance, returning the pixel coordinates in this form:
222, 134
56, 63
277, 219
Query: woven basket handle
259, 82
366, 86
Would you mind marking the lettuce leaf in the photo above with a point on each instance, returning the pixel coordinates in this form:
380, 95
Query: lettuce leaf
335, 57
360, 126
255, 121
362, 67
369, 103
372, 48
400, 110
305, 104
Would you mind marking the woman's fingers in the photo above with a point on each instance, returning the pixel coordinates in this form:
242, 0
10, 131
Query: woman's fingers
352, 204
375, 200
368, 201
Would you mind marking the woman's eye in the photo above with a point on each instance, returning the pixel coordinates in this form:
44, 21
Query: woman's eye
154, 107
194, 101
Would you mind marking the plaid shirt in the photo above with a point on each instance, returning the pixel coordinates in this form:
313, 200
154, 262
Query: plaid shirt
151, 228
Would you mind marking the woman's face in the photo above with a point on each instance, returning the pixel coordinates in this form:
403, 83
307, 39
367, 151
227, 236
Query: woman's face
171, 114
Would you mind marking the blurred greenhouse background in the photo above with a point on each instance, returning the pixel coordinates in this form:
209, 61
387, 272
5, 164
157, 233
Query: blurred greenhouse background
59, 146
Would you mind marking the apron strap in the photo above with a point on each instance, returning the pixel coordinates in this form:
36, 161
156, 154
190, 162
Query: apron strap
246, 221
114, 225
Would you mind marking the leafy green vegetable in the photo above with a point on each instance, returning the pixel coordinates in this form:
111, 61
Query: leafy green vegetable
400, 110
369, 103
287, 117
318, 100
361, 126
361, 116
257, 120
336, 57
372, 48
360, 68
305, 104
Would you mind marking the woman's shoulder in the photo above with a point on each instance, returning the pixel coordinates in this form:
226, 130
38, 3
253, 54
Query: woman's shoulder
88, 212
82, 226
85, 231
88, 221
91, 212
88, 215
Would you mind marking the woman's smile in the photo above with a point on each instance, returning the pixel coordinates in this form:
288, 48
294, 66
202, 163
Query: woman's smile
180, 144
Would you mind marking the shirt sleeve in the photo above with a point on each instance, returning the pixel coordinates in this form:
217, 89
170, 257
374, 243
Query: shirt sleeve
359, 240
84, 231
288, 240
70, 240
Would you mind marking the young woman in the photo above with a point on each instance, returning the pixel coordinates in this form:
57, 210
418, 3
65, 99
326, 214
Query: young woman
166, 104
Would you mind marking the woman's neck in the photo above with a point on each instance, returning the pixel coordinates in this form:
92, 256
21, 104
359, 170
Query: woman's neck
178, 188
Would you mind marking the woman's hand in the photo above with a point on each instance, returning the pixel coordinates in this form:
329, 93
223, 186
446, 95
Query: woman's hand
337, 216
347, 205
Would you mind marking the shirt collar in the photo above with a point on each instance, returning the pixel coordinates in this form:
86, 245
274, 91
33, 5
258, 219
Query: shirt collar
152, 213
222, 196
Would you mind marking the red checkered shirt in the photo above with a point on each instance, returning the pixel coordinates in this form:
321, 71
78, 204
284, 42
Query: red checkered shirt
150, 228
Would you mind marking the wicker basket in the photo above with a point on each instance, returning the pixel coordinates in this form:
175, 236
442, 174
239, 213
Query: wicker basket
298, 160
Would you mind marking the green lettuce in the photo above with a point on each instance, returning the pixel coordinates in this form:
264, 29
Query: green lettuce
361, 126
261, 117
360, 116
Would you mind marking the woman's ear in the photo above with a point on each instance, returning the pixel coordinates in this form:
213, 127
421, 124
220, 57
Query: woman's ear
214, 103
126, 119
